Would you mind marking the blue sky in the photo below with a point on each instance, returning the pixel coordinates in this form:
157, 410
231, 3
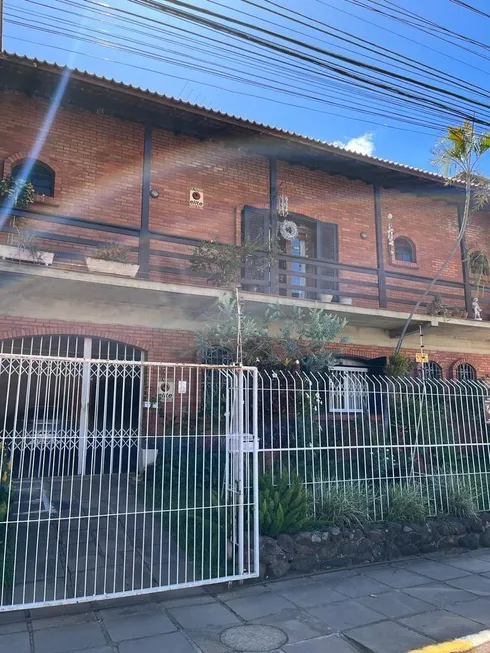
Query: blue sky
320, 119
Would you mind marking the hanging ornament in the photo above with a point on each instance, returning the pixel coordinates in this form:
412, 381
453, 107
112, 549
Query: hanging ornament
288, 229
282, 205
391, 235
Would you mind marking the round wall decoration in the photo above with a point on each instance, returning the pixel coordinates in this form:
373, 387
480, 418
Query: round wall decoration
288, 229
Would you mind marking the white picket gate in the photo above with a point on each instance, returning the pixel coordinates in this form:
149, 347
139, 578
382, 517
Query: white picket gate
124, 477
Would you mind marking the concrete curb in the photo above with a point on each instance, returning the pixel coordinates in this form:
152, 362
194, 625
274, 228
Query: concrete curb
479, 643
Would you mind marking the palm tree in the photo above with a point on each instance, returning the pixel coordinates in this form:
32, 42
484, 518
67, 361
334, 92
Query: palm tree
458, 155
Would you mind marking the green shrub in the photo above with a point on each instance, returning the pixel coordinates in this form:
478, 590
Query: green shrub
399, 365
407, 503
283, 504
343, 506
461, 498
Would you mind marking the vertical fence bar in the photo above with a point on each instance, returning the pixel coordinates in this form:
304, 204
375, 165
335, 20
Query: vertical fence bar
84, 406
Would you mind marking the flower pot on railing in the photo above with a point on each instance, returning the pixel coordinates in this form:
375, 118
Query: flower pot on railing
14, 253
112, 267
325, 297
112, 258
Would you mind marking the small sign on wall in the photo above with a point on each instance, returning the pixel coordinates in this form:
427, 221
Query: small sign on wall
196, 197
166, 391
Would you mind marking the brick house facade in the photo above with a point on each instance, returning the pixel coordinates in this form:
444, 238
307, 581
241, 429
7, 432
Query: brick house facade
109, 145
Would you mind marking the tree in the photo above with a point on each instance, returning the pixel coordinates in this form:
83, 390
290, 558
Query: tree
301, 339
458, 156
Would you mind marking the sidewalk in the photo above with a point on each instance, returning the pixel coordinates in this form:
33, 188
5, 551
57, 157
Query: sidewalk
386, 608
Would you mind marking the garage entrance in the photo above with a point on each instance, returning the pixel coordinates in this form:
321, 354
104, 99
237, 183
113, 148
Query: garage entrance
120, 476
62, 415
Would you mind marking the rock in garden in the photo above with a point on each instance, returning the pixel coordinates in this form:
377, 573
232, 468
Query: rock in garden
485, 537
408, 549
392, 551
286, 543
270, 551
448, 542
278, 568
475, 524
328, 550
470, 541
303, 565
376, 536
365, 545
305, 550
335, 533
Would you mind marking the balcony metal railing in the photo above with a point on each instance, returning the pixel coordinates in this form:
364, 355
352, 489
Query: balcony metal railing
72, 239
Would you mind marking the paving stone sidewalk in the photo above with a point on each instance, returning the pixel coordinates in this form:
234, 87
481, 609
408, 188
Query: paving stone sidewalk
386, 608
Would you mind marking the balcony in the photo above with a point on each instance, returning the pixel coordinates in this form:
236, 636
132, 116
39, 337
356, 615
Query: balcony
366, 296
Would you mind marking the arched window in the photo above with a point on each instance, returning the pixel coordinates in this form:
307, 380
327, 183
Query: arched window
432, 370
38, 174
218, 356
465, 372
404, 250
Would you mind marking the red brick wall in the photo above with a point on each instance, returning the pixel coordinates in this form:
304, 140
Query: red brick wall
163, 345
98, 163
97, 159
159, 345
448, 360
432, 225
478, 239
349, 205
228, 176
229, 179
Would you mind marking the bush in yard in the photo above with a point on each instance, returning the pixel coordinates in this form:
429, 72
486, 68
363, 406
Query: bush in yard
460, 498
407, 503
283, 504
343, 506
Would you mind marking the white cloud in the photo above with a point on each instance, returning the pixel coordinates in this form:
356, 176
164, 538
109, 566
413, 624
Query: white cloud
361, 144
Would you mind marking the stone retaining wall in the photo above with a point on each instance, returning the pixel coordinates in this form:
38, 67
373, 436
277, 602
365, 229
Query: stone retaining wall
337, 547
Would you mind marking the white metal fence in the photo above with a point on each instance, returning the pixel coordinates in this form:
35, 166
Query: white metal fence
124, 477
349, 429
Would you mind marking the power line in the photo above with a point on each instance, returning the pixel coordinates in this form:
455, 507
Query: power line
221, 88
427, 106
384, 113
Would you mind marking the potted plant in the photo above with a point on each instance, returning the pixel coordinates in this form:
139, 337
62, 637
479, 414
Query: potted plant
112, 258
21, 245
222, 264
325, 297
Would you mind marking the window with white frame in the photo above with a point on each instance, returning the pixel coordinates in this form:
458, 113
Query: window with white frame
348, 389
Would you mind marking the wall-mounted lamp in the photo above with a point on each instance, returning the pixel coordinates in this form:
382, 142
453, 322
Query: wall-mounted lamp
363, 235
154, 193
